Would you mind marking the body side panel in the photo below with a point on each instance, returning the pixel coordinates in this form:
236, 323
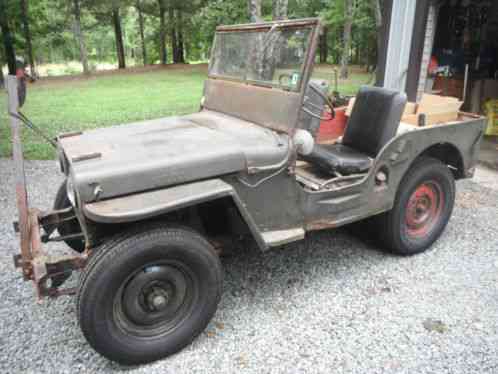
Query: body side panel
325, 209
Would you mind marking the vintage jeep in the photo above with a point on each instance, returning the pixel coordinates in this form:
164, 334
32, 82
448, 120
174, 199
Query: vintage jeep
147, 207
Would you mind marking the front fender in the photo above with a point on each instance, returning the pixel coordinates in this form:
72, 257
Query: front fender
151, 204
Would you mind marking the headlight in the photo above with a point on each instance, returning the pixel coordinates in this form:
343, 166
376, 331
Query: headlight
71, 195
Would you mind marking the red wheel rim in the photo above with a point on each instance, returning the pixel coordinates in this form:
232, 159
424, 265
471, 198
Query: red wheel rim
424, 209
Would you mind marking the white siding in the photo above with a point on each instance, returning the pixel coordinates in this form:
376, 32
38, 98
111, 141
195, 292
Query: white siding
400, 38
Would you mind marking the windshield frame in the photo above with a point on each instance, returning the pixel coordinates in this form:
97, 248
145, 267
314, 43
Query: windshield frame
309, 23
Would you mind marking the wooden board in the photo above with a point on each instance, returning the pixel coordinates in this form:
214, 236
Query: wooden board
437, 109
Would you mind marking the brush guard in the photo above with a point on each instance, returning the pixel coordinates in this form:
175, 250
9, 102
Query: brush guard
35, 263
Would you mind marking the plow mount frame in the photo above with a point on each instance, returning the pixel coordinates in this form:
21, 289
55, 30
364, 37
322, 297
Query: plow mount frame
36, 265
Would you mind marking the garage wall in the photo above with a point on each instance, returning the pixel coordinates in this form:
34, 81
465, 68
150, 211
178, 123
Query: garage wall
400, 37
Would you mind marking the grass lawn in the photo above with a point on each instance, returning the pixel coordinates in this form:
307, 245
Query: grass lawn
69, 104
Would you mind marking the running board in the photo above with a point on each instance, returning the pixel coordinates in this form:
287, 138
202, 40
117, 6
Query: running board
280, 237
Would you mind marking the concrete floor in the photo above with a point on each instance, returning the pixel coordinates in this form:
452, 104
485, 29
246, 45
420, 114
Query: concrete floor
488, 155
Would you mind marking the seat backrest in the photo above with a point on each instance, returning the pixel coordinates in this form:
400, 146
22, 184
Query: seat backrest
374, 119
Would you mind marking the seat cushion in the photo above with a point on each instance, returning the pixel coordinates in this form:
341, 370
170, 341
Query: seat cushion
338, 158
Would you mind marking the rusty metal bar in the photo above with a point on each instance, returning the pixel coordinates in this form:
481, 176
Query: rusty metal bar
36, 265
20, 177
268, 25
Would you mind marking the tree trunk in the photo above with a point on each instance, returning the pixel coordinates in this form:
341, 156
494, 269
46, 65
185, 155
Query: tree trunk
27, 37
142, 33
2, 80
323, 46
162, 32
79, 36
254, 10
116, 20
172, 30
346, 39
181, 55
279, 8
377, 6
7, 40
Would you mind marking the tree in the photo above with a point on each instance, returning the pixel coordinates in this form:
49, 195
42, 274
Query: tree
377, 7
78, 34
280, 9
162, 32
138, 6
212, 14
172, 33
323, 45
180, 44
348, 23
8, 41
27, 36
254, 7
118, 33
2, 82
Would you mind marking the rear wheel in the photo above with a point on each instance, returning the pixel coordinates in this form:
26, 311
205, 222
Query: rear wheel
149, 294
422, 208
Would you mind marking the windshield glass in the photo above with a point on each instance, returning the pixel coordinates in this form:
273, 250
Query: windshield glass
273, 57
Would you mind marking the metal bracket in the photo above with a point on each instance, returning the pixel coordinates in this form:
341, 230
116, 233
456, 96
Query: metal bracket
52, 219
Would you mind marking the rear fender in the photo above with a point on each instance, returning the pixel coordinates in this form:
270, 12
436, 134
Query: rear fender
454, 144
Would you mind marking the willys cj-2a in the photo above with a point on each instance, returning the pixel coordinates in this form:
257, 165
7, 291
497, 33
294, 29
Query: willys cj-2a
145, 206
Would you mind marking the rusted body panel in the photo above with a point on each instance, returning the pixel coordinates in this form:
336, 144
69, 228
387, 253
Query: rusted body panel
274, 109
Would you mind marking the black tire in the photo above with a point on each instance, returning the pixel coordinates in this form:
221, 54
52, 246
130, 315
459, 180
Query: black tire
422, 208
68, 227
118, 308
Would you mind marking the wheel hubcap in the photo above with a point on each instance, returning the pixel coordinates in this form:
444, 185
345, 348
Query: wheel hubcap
424, 209
154, 299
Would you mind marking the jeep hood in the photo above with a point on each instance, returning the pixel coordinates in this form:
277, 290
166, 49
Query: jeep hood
148, 155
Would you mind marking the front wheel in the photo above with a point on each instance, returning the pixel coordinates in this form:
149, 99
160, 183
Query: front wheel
146, 295
422, 208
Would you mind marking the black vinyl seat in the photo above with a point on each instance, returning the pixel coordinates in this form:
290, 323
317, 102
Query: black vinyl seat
373, 122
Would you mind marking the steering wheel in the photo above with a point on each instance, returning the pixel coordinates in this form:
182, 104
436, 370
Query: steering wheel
319, 110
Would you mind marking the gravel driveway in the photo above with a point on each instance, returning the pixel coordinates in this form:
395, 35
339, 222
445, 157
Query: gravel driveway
328, 304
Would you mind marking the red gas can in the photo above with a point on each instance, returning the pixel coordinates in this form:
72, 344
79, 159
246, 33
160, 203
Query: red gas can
331, 129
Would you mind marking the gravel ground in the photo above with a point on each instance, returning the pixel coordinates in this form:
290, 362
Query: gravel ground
328, 304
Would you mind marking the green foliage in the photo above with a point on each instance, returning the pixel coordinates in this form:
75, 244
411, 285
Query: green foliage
363, 29
51, 23
214, 13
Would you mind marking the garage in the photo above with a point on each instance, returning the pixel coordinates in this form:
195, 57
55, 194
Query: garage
446, 48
